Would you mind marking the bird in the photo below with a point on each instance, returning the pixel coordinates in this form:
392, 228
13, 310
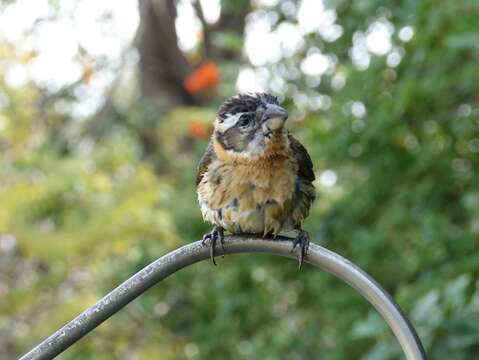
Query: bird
254, 177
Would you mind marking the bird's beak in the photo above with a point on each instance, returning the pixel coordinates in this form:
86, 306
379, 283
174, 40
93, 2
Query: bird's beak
273, 118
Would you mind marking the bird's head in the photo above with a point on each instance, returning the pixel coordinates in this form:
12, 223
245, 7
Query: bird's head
247, 123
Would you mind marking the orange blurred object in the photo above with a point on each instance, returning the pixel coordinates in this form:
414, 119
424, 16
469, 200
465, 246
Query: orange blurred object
205, 77
198, 130
88, 72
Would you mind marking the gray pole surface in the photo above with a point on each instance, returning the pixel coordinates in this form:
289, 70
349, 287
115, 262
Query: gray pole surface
194, 252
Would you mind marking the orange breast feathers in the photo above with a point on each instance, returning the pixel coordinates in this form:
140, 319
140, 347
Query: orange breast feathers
253, 195
270, 177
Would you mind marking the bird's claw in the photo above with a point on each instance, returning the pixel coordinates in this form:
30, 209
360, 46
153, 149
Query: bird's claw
211, 239
303, 241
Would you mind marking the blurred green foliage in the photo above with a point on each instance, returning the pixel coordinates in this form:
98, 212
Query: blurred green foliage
79, 216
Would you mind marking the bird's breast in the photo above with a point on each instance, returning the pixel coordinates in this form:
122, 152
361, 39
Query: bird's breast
253, 198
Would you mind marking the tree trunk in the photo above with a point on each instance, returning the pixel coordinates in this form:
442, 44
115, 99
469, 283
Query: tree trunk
163, 67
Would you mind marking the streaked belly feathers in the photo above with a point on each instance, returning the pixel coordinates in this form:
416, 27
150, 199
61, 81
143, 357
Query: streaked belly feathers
263, 196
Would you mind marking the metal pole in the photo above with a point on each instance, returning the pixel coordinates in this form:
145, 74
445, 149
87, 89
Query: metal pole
194, 252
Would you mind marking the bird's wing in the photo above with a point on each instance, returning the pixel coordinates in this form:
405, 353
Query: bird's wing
303, 159
205, 161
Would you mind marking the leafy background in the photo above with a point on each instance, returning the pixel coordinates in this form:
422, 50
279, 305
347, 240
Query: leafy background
388, 107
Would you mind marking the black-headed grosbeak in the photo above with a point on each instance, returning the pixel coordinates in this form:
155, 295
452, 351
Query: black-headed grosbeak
254, 177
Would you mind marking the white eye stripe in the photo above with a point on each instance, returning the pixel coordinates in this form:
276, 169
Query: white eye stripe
228, 122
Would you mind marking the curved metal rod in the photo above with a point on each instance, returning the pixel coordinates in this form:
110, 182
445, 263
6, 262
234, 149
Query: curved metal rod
194, 252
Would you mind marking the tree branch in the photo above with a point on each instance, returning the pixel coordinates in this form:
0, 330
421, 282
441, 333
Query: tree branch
206, 29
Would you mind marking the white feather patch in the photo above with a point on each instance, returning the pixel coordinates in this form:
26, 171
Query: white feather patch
227, 123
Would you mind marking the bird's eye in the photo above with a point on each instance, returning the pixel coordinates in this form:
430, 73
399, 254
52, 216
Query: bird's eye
244, 120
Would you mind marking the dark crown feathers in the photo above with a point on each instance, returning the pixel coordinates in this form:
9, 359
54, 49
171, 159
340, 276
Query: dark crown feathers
245, 103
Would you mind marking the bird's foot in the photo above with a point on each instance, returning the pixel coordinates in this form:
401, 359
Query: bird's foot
211, 238
303, 241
